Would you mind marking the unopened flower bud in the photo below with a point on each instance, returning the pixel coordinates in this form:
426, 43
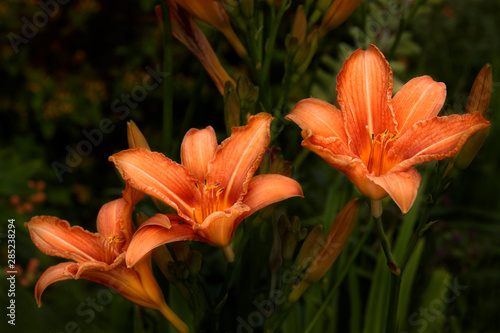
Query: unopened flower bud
248, 95
479, 100
336, 239
289, 243
337, 13
232, 113
480, 94
135, 137
310, 247
181, 250
194, 262
299, 25
247, 8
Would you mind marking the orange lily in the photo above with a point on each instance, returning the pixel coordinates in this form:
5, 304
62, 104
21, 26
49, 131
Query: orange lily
375, 139
186, 31
211, 12
213, 189
100, 257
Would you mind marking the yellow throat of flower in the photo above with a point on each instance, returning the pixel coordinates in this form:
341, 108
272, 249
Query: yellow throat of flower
378, 151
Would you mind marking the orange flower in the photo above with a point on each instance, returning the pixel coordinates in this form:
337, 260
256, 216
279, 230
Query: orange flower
212, 190
100, 257
186, 31
211, 12
375, 139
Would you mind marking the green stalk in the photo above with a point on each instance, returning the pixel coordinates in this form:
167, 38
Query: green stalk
403, 23
168, 86
391, 262
269, 50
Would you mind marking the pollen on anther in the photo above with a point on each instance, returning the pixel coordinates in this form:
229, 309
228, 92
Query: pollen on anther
220, 191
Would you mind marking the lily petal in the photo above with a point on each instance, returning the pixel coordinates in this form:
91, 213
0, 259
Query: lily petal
322, 118
434, 139
51, 275
109, 219
159, 177
265, 190
122, 279
197, 149
237, 158
338, 156
332, 150
158, 230
420, 98
218, 228
55, 237
401, 186
364, 93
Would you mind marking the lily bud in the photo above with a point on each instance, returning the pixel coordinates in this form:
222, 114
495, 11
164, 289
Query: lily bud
480, 94
181, 250
338, 12
214, 14
299, 25
248, 95
479, 100
337, 238
247, 8
135, 137
310, 247
232, 113
194, 262
186, 31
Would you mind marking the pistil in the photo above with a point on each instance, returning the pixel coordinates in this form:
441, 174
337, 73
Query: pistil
378, 149
208, 200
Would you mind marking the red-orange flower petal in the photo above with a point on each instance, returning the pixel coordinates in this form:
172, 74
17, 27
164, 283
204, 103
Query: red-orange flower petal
51, 275
55, 237
197, 149
158, 230
321, 117
434, 139
264, 190
364, 88
159, 177
419, 99
401, 186
218, 228
237, 158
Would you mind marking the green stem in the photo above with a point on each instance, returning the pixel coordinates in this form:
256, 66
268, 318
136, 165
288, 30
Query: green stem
391, 262
168, 86
403, 23
393, 303
416, 235
269, 50
395, 276
342, 275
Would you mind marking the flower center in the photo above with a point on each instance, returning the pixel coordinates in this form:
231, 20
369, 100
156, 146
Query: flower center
378, 151
208, 200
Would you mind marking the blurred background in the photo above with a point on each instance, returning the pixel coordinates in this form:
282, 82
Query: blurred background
72, 78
